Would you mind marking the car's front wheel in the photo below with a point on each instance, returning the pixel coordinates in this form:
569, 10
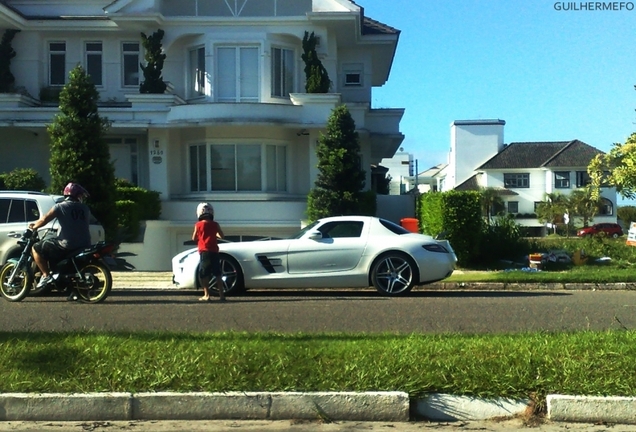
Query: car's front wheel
233, 282
615, 235
393, 274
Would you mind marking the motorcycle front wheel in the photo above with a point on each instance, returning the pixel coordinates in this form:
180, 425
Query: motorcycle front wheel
95, 284
19, 286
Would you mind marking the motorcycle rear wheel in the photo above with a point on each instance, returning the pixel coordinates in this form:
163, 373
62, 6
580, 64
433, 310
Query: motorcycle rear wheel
20, 286
96, 285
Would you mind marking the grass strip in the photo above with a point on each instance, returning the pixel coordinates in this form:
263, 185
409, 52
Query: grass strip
509, 365
582, 274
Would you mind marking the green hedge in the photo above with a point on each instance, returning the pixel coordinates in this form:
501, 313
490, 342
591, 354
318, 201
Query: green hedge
127, 220
26, 179
147, 201
458, 216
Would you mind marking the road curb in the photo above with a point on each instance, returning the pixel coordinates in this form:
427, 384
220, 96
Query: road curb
343, 406
592, 409
163, 280
333, 406
443, 407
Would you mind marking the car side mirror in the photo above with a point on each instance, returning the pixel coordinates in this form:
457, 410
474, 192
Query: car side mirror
315, 235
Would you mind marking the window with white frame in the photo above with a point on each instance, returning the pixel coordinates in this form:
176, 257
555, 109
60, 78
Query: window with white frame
283, 72
562, 179
197, 72
130, 64
237, 72
352, 74
513, 206
517, 180
238, 167
94, 62
57, 63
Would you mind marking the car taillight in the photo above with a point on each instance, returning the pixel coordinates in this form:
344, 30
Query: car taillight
434, 247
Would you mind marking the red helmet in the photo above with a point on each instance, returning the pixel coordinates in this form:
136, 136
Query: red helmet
75, 191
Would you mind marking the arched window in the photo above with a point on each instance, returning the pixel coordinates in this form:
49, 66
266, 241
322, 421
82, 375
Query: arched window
607, 207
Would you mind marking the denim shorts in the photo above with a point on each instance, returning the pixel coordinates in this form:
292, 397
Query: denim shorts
210, 264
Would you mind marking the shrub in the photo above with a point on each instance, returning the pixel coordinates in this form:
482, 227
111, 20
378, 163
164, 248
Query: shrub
134, 204
458, 215
627, 214
502, 240
26, 179
148, 202
127, 220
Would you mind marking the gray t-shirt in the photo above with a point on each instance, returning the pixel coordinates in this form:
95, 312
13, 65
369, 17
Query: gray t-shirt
73, 217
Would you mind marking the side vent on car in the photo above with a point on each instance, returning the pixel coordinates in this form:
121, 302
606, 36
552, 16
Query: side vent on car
269, 264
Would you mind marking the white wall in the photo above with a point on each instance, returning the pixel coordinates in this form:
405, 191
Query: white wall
473, 142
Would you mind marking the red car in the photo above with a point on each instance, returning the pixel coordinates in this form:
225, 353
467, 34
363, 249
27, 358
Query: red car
609, 229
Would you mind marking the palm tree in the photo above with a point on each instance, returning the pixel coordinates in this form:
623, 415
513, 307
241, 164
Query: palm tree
552, 209
491, 202
584, 205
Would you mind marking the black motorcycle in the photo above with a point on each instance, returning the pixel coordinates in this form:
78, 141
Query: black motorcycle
83, 274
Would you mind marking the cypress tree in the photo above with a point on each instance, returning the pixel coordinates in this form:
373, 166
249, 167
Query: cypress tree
338, 187
79, 152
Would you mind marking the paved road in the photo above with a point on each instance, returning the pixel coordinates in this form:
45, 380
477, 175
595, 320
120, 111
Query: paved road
327, 310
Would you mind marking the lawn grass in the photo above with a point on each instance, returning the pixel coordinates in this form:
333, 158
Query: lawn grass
551, 273
508, 365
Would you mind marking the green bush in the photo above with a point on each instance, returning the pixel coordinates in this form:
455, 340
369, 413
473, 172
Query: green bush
26, 179
502, 240
127, 220
134, 204
457, 214
627, 214
430, 213
594, 247
148, 202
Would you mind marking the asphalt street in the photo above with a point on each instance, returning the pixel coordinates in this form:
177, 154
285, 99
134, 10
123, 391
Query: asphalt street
150, 302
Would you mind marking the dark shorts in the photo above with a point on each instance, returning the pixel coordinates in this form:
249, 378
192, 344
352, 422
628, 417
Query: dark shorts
210, 264
50, 250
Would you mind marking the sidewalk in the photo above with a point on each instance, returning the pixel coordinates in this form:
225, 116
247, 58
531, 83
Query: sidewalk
332, 406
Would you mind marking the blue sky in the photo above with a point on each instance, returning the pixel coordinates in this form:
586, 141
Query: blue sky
551, 75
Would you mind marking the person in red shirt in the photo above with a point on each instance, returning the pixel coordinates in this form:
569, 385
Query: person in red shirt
206, 232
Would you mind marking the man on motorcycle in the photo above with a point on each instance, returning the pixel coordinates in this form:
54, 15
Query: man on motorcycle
73, 216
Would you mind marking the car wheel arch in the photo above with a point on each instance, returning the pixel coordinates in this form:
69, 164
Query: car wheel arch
384, 254
13, 252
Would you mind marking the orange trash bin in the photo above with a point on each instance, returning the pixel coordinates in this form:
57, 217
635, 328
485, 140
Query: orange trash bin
410, 224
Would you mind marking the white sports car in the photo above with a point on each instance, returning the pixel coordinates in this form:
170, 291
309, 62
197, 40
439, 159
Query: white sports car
337, 252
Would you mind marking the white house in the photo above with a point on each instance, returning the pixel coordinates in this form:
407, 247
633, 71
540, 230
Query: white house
522, 172
401, 170
235, 129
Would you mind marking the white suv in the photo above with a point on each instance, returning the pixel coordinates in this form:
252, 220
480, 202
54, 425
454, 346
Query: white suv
19, 208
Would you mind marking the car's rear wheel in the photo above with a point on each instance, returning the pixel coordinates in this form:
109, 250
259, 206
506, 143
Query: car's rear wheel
393, 274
